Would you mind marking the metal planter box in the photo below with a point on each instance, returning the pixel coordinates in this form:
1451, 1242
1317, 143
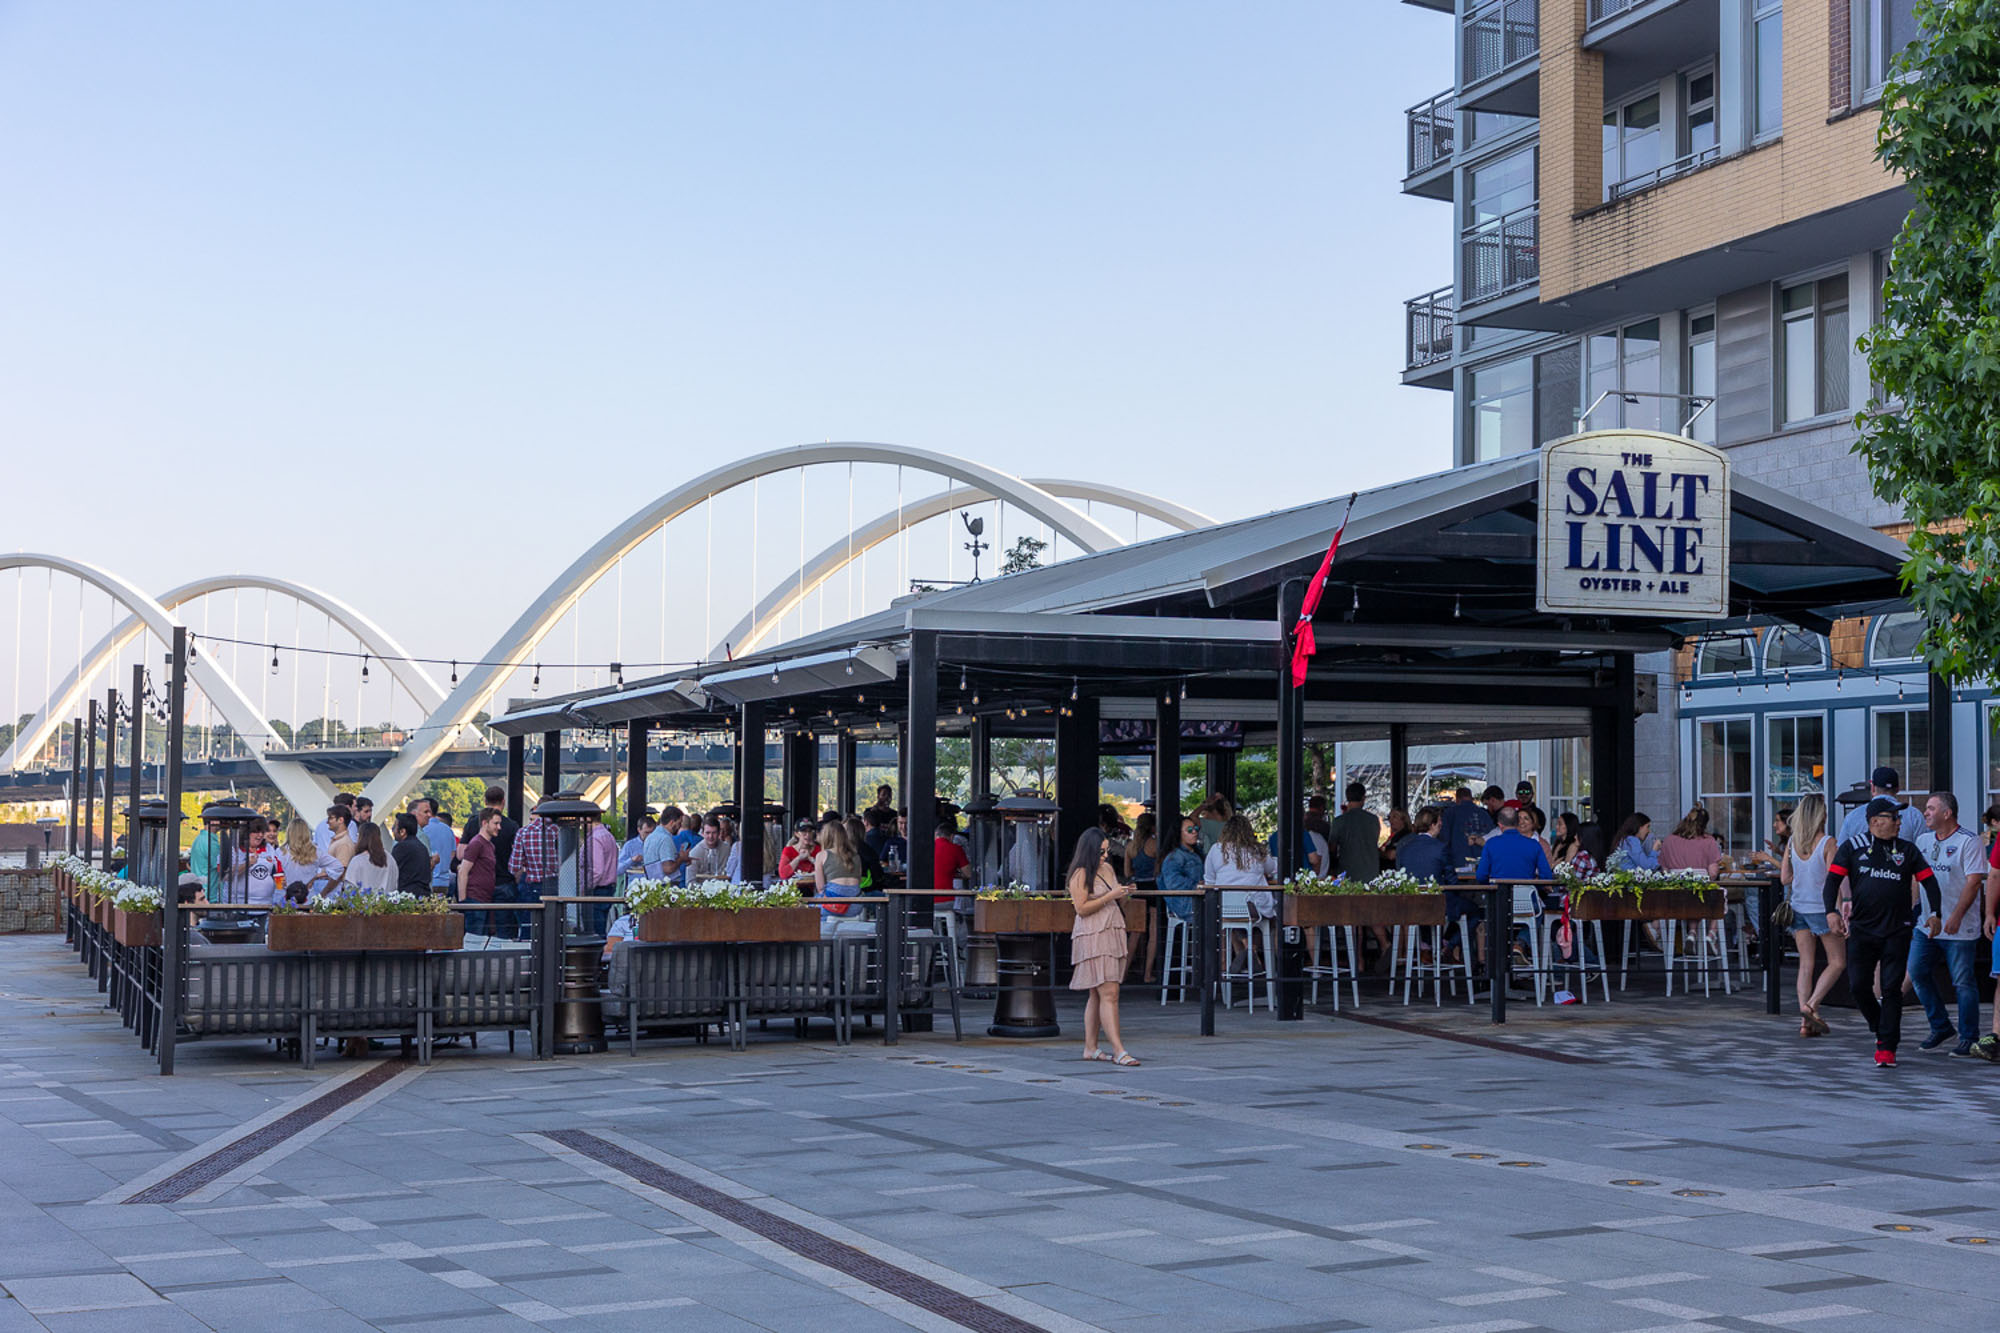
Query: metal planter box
1363, 909
719, 925
304, 932
1041, 916
1655, 905
136, 930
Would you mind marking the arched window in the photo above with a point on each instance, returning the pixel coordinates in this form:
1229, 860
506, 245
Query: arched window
1897, 637
1790, 648
1725, 655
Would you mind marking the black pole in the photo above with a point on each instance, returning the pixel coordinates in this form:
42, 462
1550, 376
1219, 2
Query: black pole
1399, 765
517, 778
1076, 774
637, 737
110, 769
1942, 777
920, 788
981, 746
551, 763
90, 783
170, 935
750, 791
844, 794
136, 776
1291, 800
75, 777
1211, 949
799, 756
1772, 951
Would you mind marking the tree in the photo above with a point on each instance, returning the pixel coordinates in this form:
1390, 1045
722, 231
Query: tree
1025, 554
1932, 440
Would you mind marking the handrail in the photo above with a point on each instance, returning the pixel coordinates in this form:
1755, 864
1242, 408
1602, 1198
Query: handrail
1500, 36
1432, 130
1428, 321
1663, 173
1502, 255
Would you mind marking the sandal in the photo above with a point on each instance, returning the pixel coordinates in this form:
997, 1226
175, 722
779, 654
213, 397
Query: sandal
1124, 1060
1095, 1055
1820, 1027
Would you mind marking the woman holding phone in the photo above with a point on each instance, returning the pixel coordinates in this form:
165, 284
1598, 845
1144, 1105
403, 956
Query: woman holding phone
1097, 945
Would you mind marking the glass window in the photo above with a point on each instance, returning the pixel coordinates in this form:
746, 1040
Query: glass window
1619, 362
1725, 655
1568, 784
1558, 380
1898, 638
1992, 759
1727, 775
1482, 125
1701, 376
1767, 44
1631, 143
1698, 115
1793, 649
1794, 760
1497, 188
1816, 347
1883, 28
1903, 742
1501, 401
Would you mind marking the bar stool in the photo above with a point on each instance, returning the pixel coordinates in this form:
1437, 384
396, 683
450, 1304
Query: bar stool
1236, 920
1332, 968
1436, 972
1177, 956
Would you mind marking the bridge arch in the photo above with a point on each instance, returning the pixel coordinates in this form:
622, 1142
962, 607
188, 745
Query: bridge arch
478, 685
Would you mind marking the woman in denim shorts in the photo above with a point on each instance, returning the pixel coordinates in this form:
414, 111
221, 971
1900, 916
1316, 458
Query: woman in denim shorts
1804, 876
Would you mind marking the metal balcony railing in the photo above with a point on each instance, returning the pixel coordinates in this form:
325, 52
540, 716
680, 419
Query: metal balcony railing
1500, 35
1666, 171
1427, 325
1502, 256
1601, 10
1433, 127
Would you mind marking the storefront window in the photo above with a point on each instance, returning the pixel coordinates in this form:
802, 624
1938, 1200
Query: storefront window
1794, 649
1725, 655
1727, 774
1903, 742
1794, 760
1897, 638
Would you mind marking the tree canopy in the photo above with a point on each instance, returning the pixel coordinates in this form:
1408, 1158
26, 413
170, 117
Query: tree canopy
1932, 438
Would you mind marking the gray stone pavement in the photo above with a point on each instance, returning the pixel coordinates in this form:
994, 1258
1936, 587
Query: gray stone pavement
1684, 1166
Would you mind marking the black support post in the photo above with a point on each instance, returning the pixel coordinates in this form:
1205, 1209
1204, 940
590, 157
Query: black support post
110, 771
171, 934
1222, 774
1291, 800
1077, 786
136, 775
551, 763
1167, 770
517, 779
750, 791
799, 757
920, 783
844, 794
90, 782
982, 757
1399, 766
637, 738
1942, 776
75, 778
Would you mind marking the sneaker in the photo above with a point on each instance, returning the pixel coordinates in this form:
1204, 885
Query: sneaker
1986, 1048
1885, 1059
1937, 1039
1962, 1050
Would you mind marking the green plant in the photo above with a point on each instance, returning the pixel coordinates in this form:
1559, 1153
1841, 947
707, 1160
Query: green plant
650, 895
1012, 893
387, 902
1634, 884
1389, 881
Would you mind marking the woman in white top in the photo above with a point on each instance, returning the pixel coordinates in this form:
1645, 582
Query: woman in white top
371, 870
1804, 877
1238, 858
309, 872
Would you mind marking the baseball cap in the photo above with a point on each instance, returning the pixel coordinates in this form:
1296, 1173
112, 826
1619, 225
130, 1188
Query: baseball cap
1524, 788
1886, 778
1882, 805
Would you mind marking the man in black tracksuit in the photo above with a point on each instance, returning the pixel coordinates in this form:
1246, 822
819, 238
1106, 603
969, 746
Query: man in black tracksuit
1880, 872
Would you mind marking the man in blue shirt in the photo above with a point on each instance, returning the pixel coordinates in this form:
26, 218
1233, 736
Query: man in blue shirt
1512, 854
1884, 781
1423, 856
1461, 824
662, 853
437, 836
632, 856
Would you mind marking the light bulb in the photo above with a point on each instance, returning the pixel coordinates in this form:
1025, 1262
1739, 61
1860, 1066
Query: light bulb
364, 668
1072, 689
274, 661
454, 671
774, 675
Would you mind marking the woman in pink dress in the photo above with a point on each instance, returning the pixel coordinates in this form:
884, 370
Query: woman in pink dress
1097, 945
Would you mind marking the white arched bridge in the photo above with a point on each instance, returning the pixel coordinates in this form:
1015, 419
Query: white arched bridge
445, 716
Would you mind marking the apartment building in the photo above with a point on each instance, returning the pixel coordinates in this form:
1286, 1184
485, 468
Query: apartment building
1670, 217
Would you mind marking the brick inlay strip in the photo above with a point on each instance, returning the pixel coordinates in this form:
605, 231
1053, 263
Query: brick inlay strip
229, 1156
901, 1283
1425, 1030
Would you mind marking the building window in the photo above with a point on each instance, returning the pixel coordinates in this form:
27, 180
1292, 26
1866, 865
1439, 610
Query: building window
1483, 126
1724, 655
1558, 380
1793, 649
1568, 785
1767, 47
1898, 638
1701, 375
1992, 755
1500, 399
1497, 188
1727, 774
1816, 347
1621, 362
1500, 242
1903, 742
1698, 134
1794, 760
1632, 145
1882, 28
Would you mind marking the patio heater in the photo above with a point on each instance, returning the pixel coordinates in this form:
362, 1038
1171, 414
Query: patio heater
579, 1016
1026, 965
983, 828
227, 880
154, 858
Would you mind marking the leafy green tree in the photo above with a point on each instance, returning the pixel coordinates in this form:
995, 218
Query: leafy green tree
1023, 555
1932, 439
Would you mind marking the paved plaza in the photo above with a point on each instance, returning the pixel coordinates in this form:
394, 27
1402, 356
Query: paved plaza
1636, 1166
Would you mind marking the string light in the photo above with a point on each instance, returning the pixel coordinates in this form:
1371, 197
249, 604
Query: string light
1457, 606
961, 678
535, 686
274, 659
454, 672
364, 669
774, 675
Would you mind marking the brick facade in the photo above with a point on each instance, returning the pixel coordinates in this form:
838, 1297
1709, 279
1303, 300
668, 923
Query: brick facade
28, 901
1839, 57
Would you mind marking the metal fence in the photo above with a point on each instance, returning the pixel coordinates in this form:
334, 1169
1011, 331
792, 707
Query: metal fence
1666, 171
1503, 255
1427, 326
1500, 35
1600, 10
1433, 127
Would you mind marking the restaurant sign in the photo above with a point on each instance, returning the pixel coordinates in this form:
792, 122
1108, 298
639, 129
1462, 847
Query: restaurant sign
1633, 523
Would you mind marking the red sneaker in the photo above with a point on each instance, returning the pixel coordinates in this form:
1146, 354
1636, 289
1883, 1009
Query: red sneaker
1885, 1059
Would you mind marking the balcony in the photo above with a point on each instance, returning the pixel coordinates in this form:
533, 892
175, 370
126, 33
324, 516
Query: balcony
1432, 133
1428, 341
1501, 42
1501, 257
1663, 173
1643, 40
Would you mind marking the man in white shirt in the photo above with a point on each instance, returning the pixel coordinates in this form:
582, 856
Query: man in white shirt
1884, 781
1959, 861
663, 853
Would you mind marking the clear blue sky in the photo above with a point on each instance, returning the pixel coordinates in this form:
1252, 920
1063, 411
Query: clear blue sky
354, 289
